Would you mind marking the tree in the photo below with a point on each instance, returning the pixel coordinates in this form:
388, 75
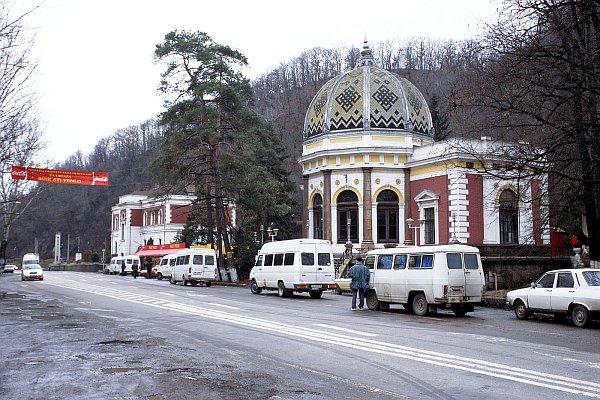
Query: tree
20, 137
538, 86
214, 139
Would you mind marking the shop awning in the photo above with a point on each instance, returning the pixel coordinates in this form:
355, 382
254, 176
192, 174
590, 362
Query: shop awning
159, 250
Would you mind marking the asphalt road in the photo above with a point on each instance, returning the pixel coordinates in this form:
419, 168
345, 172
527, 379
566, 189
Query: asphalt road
93, 336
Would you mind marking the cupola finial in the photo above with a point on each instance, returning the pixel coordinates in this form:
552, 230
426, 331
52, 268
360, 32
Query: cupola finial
366, 56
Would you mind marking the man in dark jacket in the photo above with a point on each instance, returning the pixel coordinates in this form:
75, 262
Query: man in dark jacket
360, 275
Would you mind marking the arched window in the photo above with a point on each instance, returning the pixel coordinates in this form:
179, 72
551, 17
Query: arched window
145, 218
347, 209
387, 217
160, 217
152, 218
318, 217
509, 217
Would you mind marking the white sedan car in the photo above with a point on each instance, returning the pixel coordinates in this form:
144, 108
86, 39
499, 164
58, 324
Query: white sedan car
571, 293
31, 272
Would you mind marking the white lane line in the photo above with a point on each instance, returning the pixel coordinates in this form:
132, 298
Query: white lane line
224, 306
352, 331
93, 309
166, 294
443, 360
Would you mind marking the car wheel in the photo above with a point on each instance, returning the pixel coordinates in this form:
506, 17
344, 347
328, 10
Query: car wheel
372, 300
159, 276
580, 316
338, 291
419, 304
521, 312
459, 310
254, 287
172, 280
183, 281
315, 294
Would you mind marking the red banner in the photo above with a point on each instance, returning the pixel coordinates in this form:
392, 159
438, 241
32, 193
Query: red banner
61, 176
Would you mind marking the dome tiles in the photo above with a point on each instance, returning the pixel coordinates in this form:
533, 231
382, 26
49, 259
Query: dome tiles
367, 98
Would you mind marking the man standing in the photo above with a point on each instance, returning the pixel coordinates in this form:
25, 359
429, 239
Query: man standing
360, 275
148, 266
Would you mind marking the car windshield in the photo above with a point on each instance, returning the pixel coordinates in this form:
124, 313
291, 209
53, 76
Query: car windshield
592, 277
31, 266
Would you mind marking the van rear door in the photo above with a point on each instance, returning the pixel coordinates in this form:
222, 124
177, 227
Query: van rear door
464, 276
208, 271
308, 263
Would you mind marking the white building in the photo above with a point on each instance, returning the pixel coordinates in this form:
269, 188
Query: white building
139, 220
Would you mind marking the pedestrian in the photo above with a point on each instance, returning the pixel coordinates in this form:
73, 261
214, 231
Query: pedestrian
360, 275
134, 269
123, 267
148, 266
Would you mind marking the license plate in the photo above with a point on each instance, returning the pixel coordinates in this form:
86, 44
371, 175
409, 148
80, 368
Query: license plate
315, 286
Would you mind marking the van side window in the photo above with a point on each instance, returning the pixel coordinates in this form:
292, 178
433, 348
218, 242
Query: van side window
259, 260
308, 259
400, 261
424, 261
180, 260
454, 261
209, 260
268, 260
324, 258
197, 259
288, 259
186, 260
427, 261
370, 262
172, 261
471, 261
278, 259
385, 262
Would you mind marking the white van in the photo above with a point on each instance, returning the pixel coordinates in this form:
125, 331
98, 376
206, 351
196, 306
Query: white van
165, 267
129, 260
299, 265
114, 267
423, 278
30, 258
195, 265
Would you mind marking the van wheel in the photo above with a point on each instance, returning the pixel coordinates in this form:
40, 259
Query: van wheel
419, 304
372, 301
172, 280
459, 310
183, 280
580, 316
159, 276
254, 287
193, 283
315, 294
281, 290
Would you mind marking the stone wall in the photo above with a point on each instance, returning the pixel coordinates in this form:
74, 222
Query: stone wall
513, 273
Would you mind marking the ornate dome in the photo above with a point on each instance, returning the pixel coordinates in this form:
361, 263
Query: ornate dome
367, 98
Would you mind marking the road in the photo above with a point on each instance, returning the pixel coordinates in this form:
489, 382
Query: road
86, 335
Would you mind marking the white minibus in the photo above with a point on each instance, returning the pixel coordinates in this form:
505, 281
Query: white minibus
129, 260
115, 265
299, 265
423, 278
195, 265
165, 267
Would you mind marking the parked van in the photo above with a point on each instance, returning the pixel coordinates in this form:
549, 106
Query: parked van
195, 265
30, 258
114, 267
422, 278
299, 265
129, 261
165, 267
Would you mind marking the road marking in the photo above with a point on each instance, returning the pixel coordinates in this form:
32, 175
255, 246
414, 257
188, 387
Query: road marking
352, 331
166, 294
443, 360
224, 306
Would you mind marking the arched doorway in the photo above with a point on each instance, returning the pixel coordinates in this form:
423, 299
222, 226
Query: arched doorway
318, 217
509, 217
387, 217
347, 209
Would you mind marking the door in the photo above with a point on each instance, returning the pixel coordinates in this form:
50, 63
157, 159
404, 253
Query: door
209, 267
325, 269
308, 263
563, 292
465, 276
540, 295
456, 276
474, 280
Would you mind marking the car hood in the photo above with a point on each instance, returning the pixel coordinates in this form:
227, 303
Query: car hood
518, 293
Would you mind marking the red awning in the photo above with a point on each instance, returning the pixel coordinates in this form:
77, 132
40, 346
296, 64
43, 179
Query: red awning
156, 253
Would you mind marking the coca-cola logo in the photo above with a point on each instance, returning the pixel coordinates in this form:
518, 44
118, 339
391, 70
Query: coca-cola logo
21, 173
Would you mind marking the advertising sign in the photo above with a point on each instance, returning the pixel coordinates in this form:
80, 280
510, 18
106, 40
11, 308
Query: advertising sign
60, 176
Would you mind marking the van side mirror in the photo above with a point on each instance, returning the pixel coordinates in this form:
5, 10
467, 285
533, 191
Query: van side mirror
532, 285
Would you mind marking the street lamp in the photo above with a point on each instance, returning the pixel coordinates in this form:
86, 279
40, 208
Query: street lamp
454, 238
272, 232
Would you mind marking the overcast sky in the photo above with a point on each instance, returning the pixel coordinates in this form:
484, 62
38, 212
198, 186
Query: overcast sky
96, 72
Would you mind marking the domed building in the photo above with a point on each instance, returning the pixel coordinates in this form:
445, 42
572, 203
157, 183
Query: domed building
373, 175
